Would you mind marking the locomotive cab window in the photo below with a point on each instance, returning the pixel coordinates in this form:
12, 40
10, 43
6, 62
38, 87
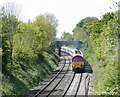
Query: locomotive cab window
74, 60
80, 60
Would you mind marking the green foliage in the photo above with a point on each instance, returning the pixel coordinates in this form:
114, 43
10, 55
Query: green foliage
26, 76
66, 37
48, 22
33, 52
82, 33
85, 21
107, 54
100, 48
9, 25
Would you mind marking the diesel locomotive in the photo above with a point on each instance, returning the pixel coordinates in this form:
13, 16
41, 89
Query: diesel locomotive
78, 62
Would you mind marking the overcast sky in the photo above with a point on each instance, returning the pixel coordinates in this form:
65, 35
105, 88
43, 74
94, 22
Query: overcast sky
68, 12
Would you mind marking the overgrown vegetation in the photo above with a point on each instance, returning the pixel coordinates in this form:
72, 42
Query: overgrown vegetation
28, 51
100, 48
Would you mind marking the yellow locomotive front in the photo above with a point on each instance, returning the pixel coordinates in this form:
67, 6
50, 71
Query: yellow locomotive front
78, 63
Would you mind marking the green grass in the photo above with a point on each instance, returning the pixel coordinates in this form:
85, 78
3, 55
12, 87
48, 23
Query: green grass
26, 76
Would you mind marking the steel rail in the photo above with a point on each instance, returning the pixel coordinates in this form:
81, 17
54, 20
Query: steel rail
59, 81
69, 85
39, 92
78, 85
87, 87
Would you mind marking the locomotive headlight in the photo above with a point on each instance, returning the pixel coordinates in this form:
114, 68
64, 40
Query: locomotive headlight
73, 65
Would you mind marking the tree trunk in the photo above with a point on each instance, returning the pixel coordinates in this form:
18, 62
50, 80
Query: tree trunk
11, 58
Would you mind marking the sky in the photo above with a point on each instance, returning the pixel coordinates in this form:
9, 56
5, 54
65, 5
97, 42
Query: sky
68, 12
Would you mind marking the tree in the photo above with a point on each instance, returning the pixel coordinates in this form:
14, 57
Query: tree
86, 20
47, 24
10, 22
66, 37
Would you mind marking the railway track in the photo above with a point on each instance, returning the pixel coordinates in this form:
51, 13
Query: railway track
74, 85
63, 72
65, 82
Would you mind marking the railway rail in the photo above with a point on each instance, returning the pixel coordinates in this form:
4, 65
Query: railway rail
64, 73
66, 76
78, 86
87, 81
71, 83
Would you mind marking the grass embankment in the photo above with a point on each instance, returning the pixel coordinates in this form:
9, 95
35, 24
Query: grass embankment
25, 76
105, 77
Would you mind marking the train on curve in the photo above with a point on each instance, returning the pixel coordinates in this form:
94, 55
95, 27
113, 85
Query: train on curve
77, 59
